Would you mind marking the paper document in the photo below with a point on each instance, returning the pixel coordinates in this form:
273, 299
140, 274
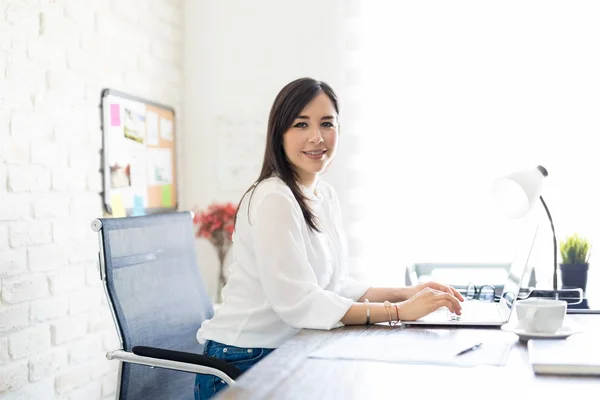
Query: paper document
417, 350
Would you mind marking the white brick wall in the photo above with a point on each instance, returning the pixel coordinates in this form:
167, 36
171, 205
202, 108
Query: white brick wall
55, 58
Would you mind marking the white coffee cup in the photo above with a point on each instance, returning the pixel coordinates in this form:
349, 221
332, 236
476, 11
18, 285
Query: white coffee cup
541, 315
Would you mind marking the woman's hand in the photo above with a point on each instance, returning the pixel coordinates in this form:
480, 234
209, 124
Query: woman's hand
427, 301
437, 286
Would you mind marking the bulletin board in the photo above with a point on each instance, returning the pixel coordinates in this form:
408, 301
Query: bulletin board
139, 154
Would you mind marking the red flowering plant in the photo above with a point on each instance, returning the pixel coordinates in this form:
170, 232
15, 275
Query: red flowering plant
216, 224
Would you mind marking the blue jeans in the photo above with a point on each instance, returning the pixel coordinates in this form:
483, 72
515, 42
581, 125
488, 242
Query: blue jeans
208, 385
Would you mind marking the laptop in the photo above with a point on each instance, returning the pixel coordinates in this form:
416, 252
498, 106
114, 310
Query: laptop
479, 313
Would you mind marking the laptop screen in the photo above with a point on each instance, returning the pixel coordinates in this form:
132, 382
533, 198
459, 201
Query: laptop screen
517, 270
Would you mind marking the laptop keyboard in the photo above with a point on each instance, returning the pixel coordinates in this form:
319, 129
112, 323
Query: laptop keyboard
476, 310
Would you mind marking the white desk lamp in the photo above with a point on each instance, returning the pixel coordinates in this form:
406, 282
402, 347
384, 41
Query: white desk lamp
516, 195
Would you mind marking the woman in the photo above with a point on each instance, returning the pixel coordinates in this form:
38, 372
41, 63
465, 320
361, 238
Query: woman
290, 269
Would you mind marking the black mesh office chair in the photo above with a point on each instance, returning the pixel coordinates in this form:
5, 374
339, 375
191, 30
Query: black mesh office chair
158, 301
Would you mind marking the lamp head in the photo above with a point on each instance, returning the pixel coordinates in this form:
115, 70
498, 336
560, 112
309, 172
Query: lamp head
515, 194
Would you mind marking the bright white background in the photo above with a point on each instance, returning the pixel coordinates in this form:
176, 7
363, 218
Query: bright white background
456, 94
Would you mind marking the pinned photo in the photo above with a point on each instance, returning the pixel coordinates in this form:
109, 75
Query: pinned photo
166, 128
134, 125
120, 175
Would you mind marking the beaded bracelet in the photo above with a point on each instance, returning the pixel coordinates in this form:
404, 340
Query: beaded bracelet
388, 305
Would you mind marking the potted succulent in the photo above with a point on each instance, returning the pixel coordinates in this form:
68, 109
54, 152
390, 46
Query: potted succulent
575, 253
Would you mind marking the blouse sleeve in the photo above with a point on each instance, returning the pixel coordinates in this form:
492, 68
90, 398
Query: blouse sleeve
287, 277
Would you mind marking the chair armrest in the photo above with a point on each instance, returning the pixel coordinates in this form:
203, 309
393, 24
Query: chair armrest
189, 358
125, 356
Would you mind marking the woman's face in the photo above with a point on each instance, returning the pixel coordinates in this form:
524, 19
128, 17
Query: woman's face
311, 142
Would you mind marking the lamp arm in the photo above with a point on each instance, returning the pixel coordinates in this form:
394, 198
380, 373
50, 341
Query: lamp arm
555, 276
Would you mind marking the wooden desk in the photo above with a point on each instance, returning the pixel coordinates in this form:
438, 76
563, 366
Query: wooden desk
288, 372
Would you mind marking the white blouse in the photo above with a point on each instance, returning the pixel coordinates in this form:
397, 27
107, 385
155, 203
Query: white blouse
284, 276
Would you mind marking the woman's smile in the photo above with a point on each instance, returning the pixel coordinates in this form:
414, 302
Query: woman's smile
315, 154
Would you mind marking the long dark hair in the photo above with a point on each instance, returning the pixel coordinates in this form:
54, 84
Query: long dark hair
288, 104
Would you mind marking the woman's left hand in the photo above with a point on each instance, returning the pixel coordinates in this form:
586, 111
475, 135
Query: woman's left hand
437, 286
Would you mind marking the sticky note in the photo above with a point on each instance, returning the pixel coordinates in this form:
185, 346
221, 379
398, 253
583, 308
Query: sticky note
166, 196
116, 203
115, 115
138, 206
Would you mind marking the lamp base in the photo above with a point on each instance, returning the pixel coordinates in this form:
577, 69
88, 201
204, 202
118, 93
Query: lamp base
571, 296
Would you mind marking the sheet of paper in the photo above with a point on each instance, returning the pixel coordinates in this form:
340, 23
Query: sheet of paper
416, 350
240, 146
138, 206
167, 196
117, 207
152, 128
115, 115
166, 128
160, 166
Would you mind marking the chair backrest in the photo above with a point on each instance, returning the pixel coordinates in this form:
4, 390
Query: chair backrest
157, 296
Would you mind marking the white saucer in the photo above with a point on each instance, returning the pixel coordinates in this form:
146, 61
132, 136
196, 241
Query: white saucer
563, 333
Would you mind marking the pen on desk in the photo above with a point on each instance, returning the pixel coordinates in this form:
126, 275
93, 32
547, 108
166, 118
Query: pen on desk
469, 349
